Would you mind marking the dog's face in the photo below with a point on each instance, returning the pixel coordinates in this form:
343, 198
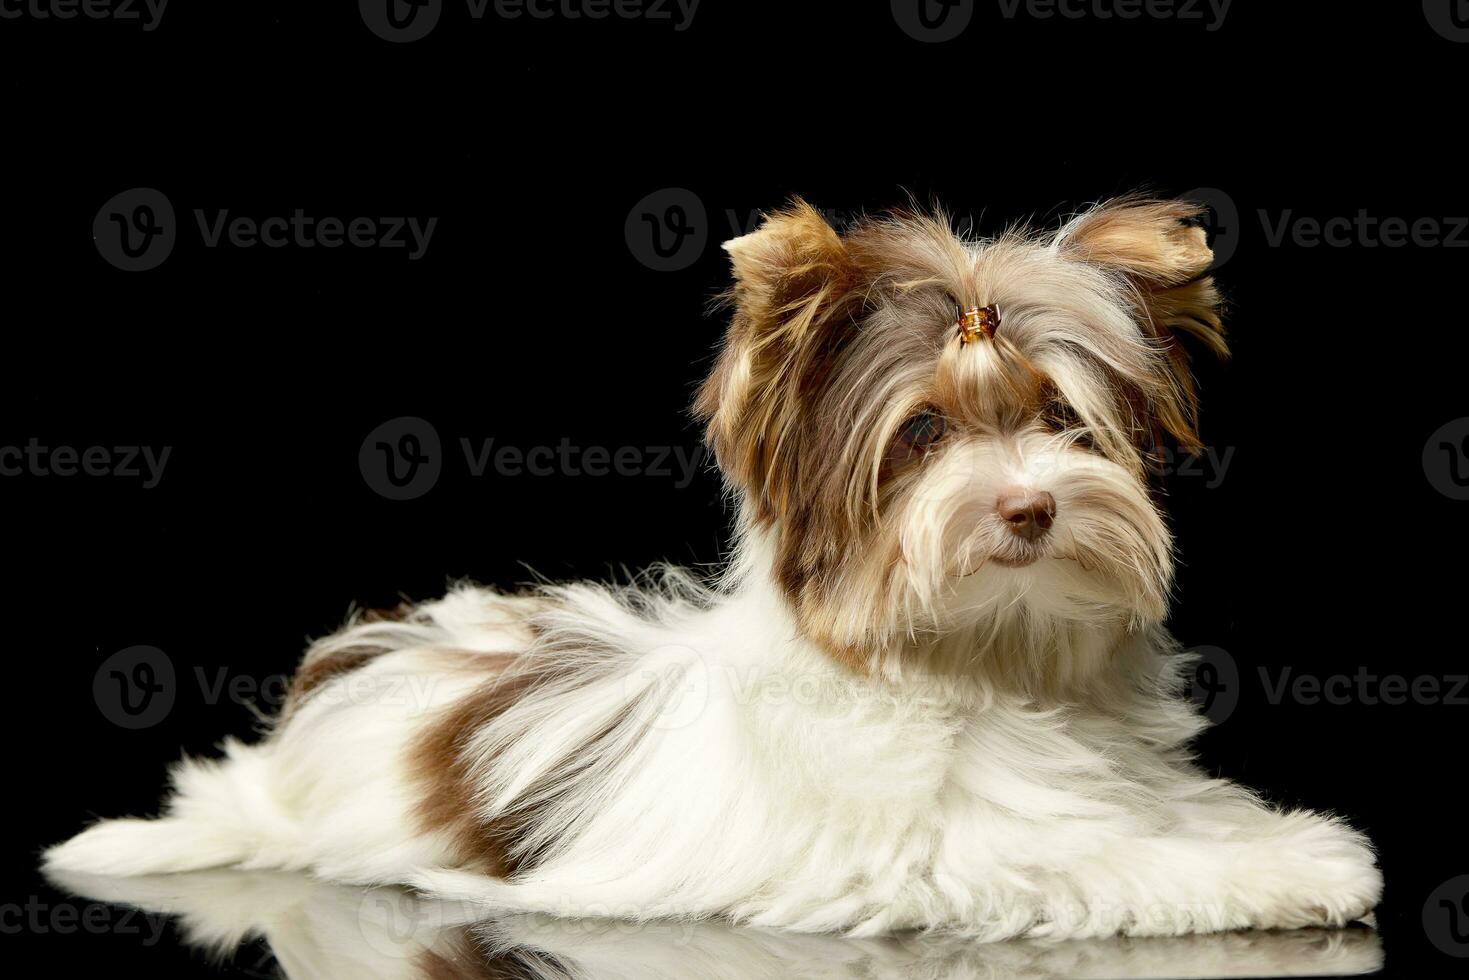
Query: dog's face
913, 477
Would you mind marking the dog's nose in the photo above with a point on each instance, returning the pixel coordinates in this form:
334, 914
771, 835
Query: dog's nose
1027, 513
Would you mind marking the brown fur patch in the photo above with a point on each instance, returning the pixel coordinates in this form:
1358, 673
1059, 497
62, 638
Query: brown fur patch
317, 672
438, 761
450, 780
792, 278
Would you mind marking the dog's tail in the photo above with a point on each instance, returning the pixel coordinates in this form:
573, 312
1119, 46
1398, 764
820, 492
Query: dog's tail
220, 815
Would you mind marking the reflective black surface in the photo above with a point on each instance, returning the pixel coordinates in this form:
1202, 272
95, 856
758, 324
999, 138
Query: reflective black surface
289, 925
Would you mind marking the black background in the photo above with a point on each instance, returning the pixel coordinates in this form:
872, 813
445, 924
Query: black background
1324, 548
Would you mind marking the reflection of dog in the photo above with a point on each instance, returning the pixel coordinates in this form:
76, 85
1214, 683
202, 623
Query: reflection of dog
930, 690
332, 932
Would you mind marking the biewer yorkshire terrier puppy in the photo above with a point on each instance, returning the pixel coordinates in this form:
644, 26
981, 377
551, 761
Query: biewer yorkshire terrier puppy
930, 689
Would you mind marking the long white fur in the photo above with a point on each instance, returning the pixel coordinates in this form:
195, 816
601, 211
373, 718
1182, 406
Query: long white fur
1018, 768
790, 793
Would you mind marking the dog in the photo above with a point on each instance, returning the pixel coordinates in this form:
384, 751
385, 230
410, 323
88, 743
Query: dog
929, 689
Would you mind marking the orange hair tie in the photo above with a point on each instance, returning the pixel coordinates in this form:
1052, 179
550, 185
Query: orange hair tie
978, 321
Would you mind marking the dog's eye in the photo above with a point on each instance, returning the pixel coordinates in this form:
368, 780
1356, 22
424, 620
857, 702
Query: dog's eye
1060, 417
921, 433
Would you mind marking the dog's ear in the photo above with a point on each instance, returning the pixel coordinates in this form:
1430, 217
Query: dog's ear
1161, 249
792, 294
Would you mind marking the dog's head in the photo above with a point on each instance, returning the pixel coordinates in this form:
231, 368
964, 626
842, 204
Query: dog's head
931, 432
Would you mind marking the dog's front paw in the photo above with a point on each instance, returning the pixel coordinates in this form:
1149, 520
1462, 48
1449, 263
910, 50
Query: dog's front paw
1323, 873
